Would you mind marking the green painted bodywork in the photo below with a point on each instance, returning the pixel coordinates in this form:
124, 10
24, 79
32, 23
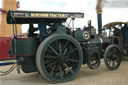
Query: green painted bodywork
97, 41
24, 47
101, 42
79, 35
61, 29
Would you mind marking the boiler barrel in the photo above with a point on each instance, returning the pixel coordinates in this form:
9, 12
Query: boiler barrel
101, 42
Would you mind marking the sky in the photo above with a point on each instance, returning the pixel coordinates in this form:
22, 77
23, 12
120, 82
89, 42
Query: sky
111, 12
116, 3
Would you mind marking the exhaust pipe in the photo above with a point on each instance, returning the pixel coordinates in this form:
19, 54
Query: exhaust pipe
99, 20
99, 15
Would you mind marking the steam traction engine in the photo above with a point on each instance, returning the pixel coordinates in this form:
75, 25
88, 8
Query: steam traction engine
56, 51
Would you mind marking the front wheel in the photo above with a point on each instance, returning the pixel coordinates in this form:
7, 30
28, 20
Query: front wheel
112, 57
59, 58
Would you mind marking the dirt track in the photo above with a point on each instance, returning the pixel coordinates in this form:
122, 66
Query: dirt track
100, 76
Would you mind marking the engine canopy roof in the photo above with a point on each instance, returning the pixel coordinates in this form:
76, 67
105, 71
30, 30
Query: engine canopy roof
26, 17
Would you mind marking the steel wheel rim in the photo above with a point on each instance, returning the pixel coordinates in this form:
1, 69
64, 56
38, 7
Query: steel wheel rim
113, 58
94, 61
60, 69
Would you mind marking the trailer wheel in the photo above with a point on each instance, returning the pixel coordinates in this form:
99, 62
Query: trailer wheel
112, 57
59, 58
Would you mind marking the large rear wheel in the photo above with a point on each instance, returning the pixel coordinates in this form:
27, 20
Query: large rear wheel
59, 58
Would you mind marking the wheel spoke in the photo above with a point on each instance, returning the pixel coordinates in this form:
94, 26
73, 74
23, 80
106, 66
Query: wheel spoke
53, 50
72, 60
68, 68
116, 62
115, 50
109, 62
117, 58
51, 64
50, 52
72, 51
60, 48
53, 68
109, 53
113, 64
51, 57
113, 55
57, 47
61, 73
47, 61
66, 44
65, 51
